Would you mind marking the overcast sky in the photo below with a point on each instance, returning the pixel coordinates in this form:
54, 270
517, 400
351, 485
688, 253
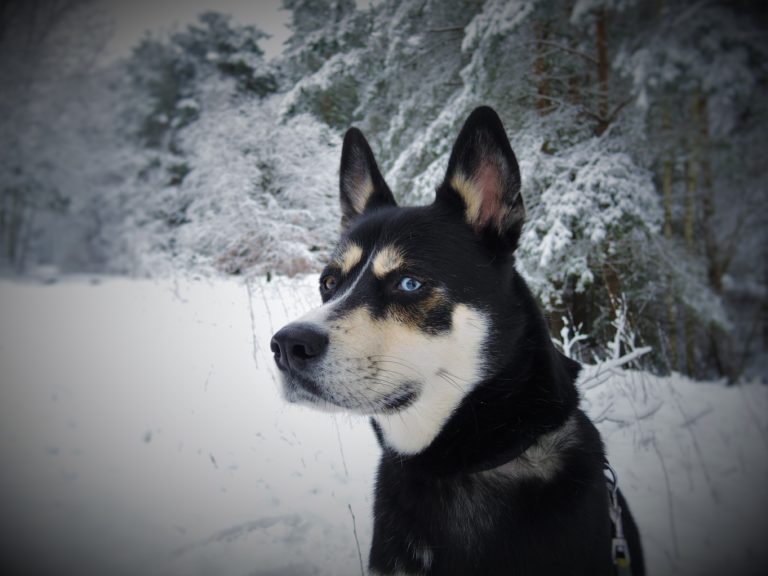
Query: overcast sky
133, 18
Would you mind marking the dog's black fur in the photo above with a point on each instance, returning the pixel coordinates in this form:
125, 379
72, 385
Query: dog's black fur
478, 499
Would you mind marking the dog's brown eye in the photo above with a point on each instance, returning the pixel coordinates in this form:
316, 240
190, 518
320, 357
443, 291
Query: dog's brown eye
328, 283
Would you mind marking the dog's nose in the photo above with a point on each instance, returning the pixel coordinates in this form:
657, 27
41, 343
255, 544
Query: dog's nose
297, 344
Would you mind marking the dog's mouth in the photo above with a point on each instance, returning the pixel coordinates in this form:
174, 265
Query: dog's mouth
399, 400
299, 389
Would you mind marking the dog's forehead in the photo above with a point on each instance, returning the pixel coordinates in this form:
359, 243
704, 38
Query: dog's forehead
385, 234
419, 240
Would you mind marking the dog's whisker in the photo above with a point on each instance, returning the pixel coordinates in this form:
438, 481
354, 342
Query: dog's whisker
455, 377
450, 381
394, 360
412, 369
394, 373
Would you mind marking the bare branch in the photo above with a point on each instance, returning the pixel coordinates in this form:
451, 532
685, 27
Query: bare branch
588, 57
617, 109
563, 103
446, 29
357, 541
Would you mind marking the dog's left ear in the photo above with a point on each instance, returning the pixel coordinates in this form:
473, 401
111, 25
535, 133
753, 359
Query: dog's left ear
362, 186
483, 178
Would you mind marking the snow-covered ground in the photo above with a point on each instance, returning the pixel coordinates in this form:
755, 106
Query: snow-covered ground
142, 432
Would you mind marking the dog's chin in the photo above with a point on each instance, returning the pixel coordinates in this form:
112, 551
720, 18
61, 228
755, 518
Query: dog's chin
297, 391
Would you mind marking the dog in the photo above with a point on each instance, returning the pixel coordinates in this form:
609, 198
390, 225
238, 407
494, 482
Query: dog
488, 465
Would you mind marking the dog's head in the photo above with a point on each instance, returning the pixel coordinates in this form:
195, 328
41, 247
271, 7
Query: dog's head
417, 308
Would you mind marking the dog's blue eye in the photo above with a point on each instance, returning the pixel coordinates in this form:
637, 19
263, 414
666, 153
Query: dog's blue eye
409, 284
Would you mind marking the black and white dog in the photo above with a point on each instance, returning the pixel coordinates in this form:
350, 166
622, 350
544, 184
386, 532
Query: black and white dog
489, 467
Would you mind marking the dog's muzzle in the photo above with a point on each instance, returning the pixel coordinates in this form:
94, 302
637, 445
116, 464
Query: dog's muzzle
296, 346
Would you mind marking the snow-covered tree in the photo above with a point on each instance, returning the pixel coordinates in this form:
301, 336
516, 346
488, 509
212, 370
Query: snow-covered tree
699, 75
46, 63
636, 127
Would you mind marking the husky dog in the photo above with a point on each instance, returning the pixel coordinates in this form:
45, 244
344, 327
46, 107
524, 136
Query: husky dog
489, 467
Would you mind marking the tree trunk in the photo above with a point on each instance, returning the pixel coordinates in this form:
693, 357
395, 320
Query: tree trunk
25, 236
715, 262
575, 80
6, 16
3, 210
603, 69
582, 311
714, 265
541, 69
14, 224
612, 285
668, 166
691, 185
765, 299
576, 77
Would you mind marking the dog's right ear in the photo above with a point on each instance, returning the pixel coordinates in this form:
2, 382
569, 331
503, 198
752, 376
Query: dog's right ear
483, 179
362, 186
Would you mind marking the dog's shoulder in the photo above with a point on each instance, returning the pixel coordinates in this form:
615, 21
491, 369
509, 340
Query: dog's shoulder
544, 459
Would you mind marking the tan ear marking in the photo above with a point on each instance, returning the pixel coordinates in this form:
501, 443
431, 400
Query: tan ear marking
388, 259
482, 197
473, 199
361, 194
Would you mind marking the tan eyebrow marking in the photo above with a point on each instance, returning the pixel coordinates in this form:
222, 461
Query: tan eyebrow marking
389, 258
350, 258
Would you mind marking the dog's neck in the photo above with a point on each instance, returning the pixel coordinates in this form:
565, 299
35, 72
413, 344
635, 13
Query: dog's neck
503, 416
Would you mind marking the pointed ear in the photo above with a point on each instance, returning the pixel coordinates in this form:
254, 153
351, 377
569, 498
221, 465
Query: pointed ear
362, 186
484, 175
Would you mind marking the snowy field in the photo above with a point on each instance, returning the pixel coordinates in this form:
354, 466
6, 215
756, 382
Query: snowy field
141, 432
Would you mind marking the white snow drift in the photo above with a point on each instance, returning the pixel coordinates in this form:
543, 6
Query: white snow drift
142, 432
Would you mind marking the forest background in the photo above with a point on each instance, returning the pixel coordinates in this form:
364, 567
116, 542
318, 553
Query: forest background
640, 128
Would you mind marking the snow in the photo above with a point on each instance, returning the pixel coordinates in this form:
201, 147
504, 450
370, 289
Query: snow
142, 420
693, 462
142, 432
